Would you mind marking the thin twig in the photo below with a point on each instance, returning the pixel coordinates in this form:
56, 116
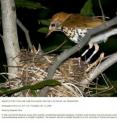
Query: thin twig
25, 30
103, 15
58, 47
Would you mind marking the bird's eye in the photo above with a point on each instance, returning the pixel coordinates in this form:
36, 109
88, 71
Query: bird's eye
52, 25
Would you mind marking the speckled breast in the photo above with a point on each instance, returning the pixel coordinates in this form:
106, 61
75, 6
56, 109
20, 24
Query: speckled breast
74, 34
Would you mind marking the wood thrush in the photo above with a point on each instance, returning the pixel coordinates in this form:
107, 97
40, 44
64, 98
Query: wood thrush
75, 26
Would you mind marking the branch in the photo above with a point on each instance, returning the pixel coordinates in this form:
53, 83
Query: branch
10, 38
112, 59
67, 53
25, 30
103, 36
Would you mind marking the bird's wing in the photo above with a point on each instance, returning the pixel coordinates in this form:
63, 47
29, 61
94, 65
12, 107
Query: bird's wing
76, 20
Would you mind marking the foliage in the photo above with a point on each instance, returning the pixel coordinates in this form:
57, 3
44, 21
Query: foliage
87, 9
36, 86
45, 24
43, 30
28, 4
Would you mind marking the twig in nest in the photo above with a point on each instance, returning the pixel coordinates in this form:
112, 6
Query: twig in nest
112, 59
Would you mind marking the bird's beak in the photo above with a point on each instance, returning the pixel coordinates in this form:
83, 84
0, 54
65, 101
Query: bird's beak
50, 31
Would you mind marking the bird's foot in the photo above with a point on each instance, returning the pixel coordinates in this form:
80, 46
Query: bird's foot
94, 64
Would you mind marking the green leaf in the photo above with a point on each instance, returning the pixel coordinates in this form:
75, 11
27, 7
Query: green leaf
34, 93
44, 22
2, 89
28, 4
43, 84
43, 30
87, 9
36, 86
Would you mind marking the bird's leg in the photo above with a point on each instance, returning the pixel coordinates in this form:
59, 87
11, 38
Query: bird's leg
90, 46
84, 53
95, 51
101, 57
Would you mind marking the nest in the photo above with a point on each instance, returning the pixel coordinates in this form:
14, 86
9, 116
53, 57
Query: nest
33, 68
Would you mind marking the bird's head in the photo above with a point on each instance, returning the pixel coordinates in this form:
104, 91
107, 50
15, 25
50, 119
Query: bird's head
57, 21
54, 26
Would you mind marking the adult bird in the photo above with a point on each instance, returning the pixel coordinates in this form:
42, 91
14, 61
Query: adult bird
75, 27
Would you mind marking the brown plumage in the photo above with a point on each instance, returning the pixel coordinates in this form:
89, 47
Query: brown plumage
75, 26
75, 20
